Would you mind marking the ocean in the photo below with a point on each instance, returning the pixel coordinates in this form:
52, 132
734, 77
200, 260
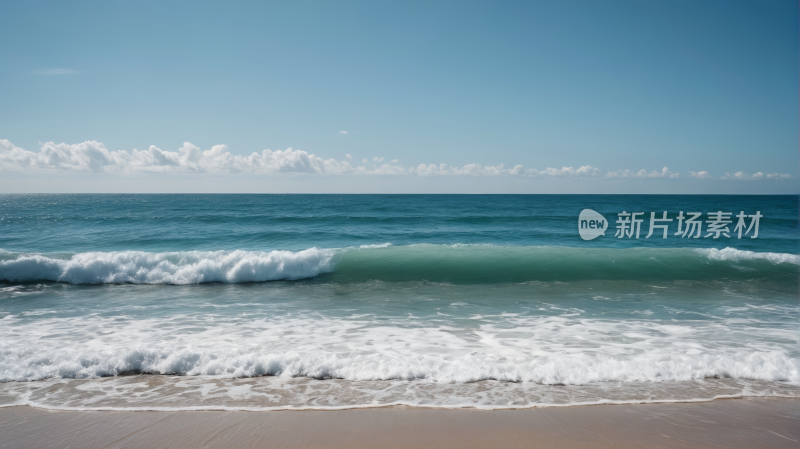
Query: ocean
266, 302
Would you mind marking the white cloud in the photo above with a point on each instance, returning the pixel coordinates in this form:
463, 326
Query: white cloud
737, 175
741, 176
744, 176
664, 173
92, 156
95, 157
699, 174
499, 170
343, 132
54, 72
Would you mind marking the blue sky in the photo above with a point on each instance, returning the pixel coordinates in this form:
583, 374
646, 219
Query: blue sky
695, 86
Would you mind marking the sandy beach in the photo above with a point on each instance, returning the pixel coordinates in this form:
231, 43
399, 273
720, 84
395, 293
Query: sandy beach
739, 423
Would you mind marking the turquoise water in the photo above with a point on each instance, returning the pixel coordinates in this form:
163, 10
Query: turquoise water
320, 301
160, 223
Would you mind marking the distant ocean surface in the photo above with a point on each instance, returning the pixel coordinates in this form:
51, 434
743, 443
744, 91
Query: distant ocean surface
263, 302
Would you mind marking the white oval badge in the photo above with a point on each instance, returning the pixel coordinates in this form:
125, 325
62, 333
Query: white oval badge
591, 224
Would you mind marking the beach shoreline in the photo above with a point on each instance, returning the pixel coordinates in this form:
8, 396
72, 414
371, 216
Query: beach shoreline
746, 422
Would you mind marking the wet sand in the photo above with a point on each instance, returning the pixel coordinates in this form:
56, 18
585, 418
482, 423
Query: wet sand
738, 423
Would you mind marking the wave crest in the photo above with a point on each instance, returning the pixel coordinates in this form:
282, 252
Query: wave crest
736, 255
192, 267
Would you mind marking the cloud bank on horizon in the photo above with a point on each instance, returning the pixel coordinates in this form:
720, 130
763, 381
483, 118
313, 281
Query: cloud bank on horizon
93, 156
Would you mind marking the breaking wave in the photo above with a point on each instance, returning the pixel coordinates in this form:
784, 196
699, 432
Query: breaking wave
436, 263
192, 267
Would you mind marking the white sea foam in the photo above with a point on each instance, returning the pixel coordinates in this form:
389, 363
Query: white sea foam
172, 393
376, 245
431, 345
736, 255
578, 369
563, 349
191, 267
